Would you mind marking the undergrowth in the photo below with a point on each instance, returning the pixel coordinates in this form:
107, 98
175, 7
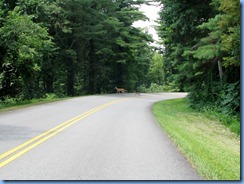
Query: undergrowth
207, 143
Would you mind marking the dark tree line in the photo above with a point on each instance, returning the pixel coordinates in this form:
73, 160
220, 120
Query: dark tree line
76, 47
70, 47
202, 51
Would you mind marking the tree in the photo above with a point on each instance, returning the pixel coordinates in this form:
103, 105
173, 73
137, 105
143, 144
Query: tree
221, 48
73, 47
24, 44
202, 50
156, 69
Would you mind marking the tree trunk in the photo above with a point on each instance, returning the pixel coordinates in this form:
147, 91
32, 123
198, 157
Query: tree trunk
91, 78
70, 77
220, 71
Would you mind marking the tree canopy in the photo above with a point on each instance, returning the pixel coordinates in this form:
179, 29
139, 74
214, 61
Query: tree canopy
70, 47
77, 47
202, 50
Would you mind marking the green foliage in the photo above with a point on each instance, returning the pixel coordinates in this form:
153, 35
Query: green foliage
50, 96
156, 69
71, 47
1, 11
81, 47
229, 120
230, 98
211, 147
156, 88
24, 45
202, 51
230, 24
153, 88
16, 103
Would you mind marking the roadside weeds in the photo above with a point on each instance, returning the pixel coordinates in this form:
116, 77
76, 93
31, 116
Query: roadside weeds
209, 145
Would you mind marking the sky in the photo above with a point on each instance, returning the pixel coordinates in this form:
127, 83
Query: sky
152, 13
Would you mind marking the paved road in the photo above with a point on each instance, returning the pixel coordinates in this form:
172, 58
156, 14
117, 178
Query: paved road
103, 137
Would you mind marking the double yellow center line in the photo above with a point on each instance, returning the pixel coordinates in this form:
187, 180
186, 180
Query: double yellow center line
16, 152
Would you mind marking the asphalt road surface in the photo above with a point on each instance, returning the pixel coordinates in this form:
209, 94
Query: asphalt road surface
100, 137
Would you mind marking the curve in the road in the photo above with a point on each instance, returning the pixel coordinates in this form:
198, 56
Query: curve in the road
34, 142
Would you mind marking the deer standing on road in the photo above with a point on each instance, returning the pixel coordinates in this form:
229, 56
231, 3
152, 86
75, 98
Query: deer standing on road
120, 90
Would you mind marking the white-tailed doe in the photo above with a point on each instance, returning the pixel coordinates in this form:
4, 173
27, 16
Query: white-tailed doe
120, 90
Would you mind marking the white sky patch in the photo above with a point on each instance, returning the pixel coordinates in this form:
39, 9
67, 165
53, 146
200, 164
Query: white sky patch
151, 11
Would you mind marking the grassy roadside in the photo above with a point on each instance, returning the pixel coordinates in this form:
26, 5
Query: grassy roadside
210, 147
12, 105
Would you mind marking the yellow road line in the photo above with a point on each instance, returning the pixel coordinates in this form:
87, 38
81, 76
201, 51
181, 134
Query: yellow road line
53, 129
52, 132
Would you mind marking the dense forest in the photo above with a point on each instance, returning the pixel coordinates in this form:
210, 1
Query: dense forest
78, 47
71, 47
202, 51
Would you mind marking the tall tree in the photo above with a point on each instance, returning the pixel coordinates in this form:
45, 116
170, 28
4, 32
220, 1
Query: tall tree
23, 44
81, 46
202, 44
156, 69
221, 49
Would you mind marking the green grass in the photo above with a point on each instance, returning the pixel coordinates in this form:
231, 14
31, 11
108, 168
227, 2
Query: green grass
232, 122
13, 104
210, 146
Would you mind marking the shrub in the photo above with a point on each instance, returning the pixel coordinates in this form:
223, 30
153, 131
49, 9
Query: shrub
157, 88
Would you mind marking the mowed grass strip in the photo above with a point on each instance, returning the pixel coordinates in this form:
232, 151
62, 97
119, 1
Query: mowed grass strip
210, 147
27, 103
